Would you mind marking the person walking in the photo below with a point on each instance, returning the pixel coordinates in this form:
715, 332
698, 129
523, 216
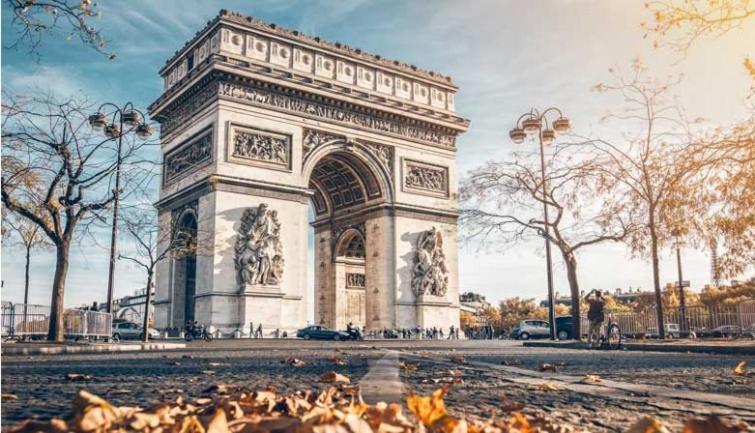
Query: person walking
259, 331
595, 315
251, 329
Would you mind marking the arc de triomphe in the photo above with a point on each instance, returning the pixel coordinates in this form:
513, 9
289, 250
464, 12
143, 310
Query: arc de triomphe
261, 126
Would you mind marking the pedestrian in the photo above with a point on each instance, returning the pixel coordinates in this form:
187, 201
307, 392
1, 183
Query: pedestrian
251, 329
595, 315
259, 331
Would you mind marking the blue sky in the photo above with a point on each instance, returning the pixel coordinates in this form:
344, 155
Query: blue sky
506, 57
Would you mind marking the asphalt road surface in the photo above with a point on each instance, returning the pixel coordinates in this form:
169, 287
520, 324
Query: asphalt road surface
489, 377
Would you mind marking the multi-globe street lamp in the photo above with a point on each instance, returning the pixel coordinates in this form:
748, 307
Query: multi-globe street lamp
546, 129
112, 125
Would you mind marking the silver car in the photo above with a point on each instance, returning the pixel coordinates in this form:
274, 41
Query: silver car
531, 329
131, 331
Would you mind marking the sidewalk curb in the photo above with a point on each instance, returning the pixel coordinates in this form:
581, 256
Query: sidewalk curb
98, 348
634, 347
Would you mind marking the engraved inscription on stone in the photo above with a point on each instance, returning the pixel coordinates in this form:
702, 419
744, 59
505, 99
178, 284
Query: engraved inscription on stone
429, 273
354, 280
251, 145
188, 157
259, 252
425, 178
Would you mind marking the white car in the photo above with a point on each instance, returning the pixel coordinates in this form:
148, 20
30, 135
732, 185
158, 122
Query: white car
672, 331
131, 331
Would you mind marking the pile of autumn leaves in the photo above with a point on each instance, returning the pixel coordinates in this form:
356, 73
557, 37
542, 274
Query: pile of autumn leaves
335, 410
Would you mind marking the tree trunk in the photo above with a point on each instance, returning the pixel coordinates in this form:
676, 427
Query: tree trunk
148, 301
26, 287
571, 274
656, 276
55, 332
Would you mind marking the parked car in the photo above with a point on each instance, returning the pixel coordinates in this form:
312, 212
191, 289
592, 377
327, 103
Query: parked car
131, 331
726, 331
672, 331
564, 329
317, 332
531, 328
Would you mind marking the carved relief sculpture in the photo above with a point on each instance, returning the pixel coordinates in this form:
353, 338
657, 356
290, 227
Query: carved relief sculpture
425, 177
314, 139
355, 280
188, 157
429, 273
261, 146
259, 253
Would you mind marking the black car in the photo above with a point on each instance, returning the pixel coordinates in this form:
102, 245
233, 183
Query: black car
564, 328
317, 332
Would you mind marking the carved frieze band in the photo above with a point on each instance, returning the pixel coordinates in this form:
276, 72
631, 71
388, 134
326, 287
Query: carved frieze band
188, 157
372, 122
355, 280
253, 146
424, 178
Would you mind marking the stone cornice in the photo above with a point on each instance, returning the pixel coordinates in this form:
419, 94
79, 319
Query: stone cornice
233, 184
216, 84
270, 29
397, 209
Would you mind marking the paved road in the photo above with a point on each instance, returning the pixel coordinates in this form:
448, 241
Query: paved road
494, 375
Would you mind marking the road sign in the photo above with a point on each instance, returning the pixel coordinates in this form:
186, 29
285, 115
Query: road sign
685, 283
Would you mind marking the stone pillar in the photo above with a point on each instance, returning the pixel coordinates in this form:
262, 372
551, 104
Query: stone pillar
380, 272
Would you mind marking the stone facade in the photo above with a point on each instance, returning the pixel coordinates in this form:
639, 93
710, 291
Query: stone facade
259, 123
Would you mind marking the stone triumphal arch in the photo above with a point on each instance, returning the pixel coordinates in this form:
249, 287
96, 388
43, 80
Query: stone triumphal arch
258, 125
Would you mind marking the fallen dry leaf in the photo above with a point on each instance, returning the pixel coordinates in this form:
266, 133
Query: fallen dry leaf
78, 377
430, 409
712, 424
740, 368
9, 397
458, 359
592, 378
208, 372
647, 425
548, 387
333, 377
338, 359
546, 367
216, 364
294, 362
409, 368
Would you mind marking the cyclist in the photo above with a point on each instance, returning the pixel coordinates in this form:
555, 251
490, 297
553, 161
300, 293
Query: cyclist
595, 315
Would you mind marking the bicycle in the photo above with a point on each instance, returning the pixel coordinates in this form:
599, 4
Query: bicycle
611, 338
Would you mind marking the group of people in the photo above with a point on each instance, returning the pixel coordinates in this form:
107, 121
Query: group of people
434, 333
485, 332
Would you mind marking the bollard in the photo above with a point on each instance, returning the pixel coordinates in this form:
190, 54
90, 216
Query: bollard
237, 334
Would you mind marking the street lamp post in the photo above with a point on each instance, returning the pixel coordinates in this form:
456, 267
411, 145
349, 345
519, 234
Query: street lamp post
132, 119
527, 124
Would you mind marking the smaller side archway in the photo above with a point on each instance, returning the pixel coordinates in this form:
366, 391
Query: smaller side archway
184, 268
351, 284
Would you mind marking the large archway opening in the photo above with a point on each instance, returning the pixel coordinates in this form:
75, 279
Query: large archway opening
345, 188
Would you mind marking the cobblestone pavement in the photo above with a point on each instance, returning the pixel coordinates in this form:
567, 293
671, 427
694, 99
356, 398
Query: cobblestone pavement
491, 377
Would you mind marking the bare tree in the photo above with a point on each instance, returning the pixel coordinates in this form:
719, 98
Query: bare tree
57, 173
24, 233
649, 164
153, 244
35, 19
506, 199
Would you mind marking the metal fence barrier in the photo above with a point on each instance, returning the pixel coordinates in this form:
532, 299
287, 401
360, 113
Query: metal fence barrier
735, 319
27, 320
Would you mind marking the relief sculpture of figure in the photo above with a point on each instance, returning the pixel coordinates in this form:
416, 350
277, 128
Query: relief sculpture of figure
429, 273
259, 253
